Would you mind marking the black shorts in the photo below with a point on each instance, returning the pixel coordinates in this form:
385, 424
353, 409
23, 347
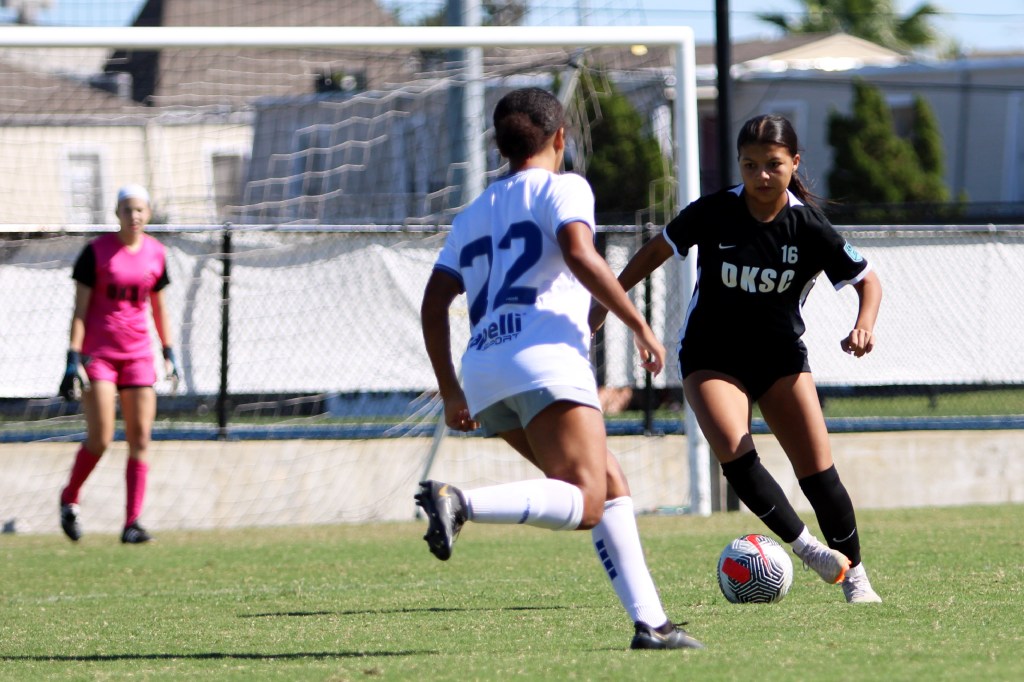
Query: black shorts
755, 366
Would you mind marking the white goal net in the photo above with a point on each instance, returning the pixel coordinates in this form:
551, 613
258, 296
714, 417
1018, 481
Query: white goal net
302, 179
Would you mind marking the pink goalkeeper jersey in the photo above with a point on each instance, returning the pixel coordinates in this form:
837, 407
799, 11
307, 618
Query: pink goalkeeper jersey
116, 323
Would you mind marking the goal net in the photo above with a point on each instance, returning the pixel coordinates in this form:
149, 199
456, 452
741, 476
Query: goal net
302, 181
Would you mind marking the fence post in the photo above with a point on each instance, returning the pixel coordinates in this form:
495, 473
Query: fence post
225, 327
648, 379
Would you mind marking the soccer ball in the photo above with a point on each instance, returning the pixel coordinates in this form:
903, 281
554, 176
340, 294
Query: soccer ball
754, 569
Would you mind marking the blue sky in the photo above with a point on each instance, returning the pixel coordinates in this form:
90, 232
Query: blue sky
975, 24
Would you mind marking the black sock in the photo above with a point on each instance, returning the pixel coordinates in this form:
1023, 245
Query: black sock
666, 628
834, 511
762, 494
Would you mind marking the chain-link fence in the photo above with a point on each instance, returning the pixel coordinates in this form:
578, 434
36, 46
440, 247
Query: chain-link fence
316, 332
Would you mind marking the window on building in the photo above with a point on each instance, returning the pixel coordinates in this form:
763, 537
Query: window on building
228, 177
85, 189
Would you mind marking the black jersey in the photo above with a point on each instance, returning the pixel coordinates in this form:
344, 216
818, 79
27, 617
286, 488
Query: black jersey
753, 277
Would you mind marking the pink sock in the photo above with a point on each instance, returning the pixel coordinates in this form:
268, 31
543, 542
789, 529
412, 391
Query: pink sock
85, 462
135, 479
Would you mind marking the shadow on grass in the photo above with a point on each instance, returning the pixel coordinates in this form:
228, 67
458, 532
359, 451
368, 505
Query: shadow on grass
380, 612
215, 655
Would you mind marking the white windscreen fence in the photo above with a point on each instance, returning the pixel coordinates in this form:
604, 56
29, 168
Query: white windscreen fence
338, 311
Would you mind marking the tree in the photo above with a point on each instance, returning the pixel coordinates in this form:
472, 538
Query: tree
926, 140
871, 164
505, 12
626, 163
873, 20
493, 13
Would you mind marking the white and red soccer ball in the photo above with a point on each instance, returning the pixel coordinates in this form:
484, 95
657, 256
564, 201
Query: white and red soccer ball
754, 569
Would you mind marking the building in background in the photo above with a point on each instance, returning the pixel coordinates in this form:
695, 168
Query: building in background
337, 136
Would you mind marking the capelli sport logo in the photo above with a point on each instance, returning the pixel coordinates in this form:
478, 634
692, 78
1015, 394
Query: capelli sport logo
507, 328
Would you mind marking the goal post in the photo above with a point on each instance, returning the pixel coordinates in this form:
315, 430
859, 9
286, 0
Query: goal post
252, 244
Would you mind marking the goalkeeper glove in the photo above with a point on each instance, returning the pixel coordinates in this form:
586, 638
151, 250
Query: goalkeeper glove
75, 380
171, 365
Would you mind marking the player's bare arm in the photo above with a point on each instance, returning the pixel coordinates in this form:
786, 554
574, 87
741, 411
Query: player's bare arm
861, 340
576, 241
438, 296
163, 329
646, 260
82, 295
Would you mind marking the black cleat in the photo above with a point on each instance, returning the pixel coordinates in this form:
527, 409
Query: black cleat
69, 521
135, 534
668, 636
446, 510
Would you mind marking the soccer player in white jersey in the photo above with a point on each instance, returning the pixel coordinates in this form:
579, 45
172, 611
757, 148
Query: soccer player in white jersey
523, 253
760, 246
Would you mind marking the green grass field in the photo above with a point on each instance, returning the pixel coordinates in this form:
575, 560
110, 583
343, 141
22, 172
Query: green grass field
369, 602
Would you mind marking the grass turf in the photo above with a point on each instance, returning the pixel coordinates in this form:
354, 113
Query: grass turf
369, 602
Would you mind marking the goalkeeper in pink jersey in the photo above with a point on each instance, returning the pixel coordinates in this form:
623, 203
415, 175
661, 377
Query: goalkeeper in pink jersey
119, 280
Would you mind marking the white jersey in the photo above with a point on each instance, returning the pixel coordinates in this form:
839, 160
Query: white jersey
527, 311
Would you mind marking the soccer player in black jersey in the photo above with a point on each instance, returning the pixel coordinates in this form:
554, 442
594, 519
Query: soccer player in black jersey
760, 246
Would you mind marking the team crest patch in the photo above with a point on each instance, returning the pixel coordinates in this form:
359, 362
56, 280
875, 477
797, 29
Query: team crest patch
853, 253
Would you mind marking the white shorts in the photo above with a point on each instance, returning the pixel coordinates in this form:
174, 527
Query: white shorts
516, 411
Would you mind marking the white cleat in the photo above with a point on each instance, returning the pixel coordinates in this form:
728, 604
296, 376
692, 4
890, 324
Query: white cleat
857, 587
830, 564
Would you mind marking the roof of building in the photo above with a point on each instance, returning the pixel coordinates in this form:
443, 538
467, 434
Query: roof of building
798, 51
39, 94
197, 77
835, 52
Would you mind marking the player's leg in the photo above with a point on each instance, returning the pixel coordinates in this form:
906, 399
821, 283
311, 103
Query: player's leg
564, 439
793, 412
617, 485
138, 407
616, 540
617, 543
544, 502
99, 407
568, 442
723, 410
563, 446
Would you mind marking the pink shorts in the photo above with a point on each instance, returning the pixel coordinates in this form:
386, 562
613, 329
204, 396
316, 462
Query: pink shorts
130, 373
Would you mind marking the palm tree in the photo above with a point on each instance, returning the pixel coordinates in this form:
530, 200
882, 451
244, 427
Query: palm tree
873, 20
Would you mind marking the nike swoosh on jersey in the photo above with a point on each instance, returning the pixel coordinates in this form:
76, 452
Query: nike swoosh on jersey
726, 246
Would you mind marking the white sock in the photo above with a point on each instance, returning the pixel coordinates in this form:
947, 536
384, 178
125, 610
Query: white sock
617, 542
803, 540
856, 571
542, 502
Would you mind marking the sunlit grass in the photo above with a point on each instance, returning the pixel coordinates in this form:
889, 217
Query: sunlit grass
368, 601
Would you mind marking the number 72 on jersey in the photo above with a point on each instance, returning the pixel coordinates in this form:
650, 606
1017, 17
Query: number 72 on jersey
509, 292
